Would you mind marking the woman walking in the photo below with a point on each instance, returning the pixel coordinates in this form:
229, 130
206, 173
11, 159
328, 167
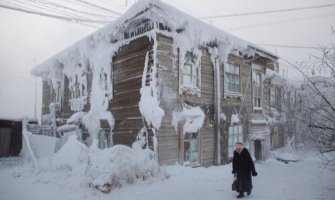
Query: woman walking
243, 168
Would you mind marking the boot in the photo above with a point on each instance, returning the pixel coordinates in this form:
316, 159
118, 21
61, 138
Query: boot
249, 192
240, 195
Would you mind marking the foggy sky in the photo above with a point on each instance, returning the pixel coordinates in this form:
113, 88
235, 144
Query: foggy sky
27, 40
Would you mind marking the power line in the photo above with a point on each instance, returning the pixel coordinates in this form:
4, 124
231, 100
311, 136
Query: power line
56, 5
289, 46
70, 19
99, 7
279, 22
58, 11
269, 11
37, 5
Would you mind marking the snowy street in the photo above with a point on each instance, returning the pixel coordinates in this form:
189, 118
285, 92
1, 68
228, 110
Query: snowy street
164, 99
306, 179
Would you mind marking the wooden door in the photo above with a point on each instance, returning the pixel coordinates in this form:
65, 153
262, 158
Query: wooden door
4, 141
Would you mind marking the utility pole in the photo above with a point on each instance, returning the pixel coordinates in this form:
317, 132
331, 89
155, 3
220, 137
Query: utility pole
35, 96
35, 107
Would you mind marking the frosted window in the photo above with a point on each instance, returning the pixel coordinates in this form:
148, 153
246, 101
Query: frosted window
232, 78
190, 70
272, 97
257, 90
191, 149
235, 135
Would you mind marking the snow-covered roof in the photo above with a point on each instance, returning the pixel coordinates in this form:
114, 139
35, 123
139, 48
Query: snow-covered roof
111, 37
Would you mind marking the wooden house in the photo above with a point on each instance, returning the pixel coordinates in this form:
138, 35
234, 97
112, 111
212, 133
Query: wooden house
183, 88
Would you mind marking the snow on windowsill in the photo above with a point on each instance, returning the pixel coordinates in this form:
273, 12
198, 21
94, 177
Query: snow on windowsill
193, 116
191, 90
235, 119
256, 67
259, 121
233, 95
258, 109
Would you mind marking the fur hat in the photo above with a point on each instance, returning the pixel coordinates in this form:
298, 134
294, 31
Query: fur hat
240, 143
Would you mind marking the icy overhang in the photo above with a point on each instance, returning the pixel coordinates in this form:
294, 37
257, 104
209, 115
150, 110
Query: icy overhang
186, 30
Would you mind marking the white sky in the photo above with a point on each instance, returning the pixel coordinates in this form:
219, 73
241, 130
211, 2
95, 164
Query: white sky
27, 40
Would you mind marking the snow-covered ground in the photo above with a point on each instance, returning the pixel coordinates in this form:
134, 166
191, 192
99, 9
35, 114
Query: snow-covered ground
306, 179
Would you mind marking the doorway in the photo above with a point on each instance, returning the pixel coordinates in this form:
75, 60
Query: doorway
258, 149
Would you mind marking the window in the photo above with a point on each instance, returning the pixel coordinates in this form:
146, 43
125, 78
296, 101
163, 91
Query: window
235, 135
104, 138
272, 97
232, 78
191, 149
257, 90
190, 71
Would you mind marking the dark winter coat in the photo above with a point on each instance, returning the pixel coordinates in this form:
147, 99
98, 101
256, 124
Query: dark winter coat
244, 167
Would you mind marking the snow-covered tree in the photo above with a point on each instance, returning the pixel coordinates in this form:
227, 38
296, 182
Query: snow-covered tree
316, 103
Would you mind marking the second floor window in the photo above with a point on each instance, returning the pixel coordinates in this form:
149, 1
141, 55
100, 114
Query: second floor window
257, 90
272, 97
232, 78
190, 71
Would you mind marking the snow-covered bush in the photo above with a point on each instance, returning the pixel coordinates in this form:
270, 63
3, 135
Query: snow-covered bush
118, 165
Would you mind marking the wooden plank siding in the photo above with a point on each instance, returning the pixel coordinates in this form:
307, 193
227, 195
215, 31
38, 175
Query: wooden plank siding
207, 101
127, 66
169, 140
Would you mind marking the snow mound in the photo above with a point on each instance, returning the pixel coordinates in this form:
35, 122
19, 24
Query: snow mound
285, 155
118, 165
101, 168
41, 145
72, 156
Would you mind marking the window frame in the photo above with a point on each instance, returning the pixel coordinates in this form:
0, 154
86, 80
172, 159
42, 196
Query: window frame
257, 90
230, 77
234, 136
195, 138
234, 75
272, 97
194, 74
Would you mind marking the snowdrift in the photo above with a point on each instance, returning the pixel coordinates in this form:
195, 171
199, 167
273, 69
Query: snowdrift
113, 167
286, 155
72, 156
104, 169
